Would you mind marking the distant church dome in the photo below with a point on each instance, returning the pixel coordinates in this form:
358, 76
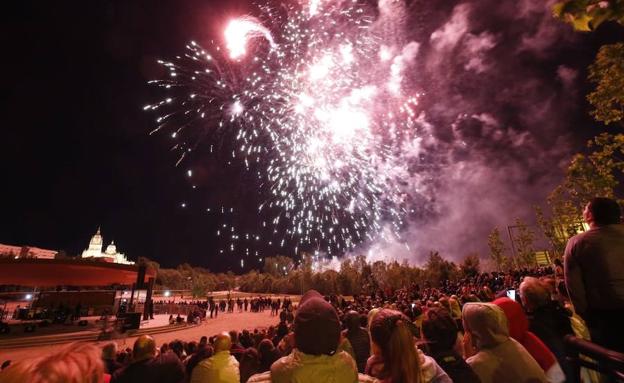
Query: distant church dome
111, 249
110, 255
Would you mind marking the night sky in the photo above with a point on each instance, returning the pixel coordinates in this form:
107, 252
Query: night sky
76, 153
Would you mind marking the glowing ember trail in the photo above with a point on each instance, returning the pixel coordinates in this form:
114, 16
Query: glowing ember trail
321, 108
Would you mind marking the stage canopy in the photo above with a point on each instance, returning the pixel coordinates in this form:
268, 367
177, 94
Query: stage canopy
57, 272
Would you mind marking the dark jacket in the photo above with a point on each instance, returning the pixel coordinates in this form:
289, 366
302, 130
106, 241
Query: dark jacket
360, 341
551, 324
456, 367
165, 368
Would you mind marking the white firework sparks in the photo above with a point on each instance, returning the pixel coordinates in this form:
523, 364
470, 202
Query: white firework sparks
320, 105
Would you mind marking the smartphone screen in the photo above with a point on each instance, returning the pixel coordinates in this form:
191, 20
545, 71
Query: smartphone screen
511, 294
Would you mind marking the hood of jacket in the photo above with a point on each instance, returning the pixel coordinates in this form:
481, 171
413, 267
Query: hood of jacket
487, 324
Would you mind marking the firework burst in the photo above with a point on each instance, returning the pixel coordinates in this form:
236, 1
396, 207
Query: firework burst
314, 99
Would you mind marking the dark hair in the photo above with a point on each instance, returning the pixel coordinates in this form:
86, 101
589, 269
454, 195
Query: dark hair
249, 363
605, 211
352, 320
177, 347
201, 354
234, 336
439, 329
191, 347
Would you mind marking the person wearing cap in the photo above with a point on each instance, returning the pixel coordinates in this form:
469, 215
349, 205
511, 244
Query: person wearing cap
315, 357
489, 350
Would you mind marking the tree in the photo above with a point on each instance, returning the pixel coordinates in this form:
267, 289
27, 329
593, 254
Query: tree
497, 250
607, 73
587, 15
148, 263
438, 269
523, 242
170, 279
595, 174
471, 265
278, 265
379, 271
348, 278
556, 235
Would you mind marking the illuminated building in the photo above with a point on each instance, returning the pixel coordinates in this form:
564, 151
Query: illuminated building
26, 252
110, 254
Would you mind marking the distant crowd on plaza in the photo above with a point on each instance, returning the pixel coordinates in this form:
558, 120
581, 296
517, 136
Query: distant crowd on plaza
198, 310
489, 328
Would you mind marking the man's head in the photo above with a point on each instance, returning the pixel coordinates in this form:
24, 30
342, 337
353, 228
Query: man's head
439, 329
109, 351
352, 320
602, 211
177, 347
533, 293
222, 342
203, 341
144, 348
234, 336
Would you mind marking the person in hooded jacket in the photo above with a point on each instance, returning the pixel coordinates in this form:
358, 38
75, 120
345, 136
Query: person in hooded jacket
493, 355
315, 357
519, 330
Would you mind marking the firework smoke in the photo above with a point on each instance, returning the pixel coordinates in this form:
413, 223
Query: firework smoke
364, 134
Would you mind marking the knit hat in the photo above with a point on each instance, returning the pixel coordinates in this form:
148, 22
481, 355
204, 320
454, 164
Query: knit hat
316, 326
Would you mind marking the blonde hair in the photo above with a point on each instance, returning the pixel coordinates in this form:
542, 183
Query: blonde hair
76, 363
17, 372
534, 291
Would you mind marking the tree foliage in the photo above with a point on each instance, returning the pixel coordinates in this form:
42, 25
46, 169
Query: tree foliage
278, 265
497, 250
471, 265
523, 242
607, 73
587, 15
595, 174
439, 269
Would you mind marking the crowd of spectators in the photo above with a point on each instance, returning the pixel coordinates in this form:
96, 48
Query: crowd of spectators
407, 335
491, 327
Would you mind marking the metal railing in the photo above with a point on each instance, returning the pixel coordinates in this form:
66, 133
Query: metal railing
607, 362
